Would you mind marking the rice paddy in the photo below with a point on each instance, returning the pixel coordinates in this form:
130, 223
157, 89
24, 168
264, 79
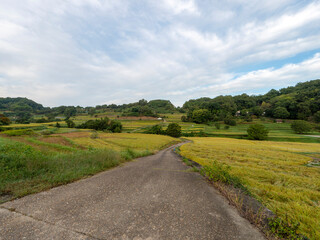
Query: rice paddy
276, 173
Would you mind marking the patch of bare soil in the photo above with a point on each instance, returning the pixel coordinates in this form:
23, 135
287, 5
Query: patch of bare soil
56, 140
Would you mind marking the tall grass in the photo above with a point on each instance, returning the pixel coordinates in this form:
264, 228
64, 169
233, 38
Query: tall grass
25, 170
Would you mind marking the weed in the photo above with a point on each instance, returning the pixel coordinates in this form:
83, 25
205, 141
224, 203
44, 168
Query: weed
284, 229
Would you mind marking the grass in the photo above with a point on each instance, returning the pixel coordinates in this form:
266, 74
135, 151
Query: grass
32, 164
25, 170
276, 173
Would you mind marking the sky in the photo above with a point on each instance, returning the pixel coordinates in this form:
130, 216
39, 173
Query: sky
92, 52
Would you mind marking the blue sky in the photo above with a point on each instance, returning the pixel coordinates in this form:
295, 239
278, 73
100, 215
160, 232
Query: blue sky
90, 52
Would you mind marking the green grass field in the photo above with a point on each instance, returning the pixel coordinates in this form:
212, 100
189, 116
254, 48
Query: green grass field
34, 162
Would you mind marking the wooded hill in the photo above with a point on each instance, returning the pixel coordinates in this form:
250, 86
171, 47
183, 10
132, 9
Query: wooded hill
299, 102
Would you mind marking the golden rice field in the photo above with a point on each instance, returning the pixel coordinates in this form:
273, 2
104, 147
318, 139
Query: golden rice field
274, 172
120, 141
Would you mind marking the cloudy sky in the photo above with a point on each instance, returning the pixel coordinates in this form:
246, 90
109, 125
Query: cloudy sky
89, 52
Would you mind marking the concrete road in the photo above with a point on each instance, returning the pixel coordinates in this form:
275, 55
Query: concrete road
150, 198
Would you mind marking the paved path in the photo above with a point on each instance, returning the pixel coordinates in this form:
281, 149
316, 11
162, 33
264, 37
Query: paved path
150, 198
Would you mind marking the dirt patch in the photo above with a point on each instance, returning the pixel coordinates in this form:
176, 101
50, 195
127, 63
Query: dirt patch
56, 140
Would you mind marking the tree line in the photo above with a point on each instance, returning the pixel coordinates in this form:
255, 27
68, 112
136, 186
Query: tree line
297, 102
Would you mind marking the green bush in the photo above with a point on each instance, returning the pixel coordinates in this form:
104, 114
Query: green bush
115, 126
155, 129
173, 130
217, 125
226, 127
230, 121
301, 126
70, 123
257, 132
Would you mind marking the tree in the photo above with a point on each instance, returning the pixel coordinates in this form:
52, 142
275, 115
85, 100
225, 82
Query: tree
230, 121
281, 112
70, 123
4, 120
155, 129
115, 126
173, 130
201, 116
301, 126
257, 132
317, 116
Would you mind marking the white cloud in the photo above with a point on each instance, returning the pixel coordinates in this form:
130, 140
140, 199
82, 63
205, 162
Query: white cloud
92, 52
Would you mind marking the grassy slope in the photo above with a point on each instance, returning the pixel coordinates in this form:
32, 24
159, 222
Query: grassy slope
274, 172
30, 164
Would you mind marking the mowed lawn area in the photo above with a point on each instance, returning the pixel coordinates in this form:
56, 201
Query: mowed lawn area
276, 173
34, 162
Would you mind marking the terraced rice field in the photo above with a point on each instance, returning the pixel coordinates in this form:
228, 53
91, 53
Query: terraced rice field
276, 173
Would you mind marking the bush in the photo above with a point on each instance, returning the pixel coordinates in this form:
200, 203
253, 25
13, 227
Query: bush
226, 127
70, 123
217, 125
155, 129
115, 126
173, 130
257, 132
230, 121
184, 119
301, 126
4, 120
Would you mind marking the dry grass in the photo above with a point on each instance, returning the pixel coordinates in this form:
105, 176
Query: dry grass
274, 172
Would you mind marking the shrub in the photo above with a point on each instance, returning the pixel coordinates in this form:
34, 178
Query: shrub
230, 121
4, 120
173, 130
115, 126
226, 127
217, 125
184, 119
70, 123
155, 129
257, 132
301, 126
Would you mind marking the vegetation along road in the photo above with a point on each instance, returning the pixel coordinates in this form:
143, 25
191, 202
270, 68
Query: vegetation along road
154, 197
